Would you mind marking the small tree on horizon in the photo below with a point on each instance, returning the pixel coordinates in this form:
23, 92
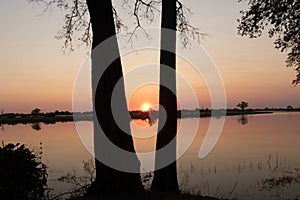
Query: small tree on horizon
242, 105
36, 111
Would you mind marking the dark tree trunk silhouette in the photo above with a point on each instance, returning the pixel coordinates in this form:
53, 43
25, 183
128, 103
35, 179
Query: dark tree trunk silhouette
102, 17
109, 180
165, 179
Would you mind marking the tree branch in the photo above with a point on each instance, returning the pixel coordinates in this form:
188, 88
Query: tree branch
186, 30
77, 26
282, 20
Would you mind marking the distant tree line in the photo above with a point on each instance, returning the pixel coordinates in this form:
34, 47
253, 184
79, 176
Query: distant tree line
36, 116
35, 113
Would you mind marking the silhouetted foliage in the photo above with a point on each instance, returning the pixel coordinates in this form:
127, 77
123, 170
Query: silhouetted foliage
36, 112
56, 112
242, 105
22, 174
282, 19
51, 114
137, 114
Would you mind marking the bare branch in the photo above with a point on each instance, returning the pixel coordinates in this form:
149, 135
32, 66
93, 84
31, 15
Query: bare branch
118, 21
142, 10
77, 26
187, 30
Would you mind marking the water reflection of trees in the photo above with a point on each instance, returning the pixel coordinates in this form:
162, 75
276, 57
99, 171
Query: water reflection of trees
243, 119
36, 126
2, 127
151, 120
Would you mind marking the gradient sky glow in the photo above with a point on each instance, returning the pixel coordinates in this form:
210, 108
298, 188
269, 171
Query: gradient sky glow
35, 73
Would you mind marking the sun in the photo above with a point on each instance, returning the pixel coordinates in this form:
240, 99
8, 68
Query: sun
146, 107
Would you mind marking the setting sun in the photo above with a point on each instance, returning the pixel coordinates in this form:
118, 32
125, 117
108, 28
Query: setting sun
146, 107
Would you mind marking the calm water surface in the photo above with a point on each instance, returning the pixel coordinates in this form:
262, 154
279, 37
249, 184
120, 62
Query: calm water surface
250, 150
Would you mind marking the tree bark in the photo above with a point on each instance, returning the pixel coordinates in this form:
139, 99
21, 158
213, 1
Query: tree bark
165, 179
109, 180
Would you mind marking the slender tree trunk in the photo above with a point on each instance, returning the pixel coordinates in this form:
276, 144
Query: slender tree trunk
109, 180
165, 179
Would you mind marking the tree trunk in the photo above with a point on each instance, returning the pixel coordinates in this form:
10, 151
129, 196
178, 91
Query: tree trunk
165, 179
109, 180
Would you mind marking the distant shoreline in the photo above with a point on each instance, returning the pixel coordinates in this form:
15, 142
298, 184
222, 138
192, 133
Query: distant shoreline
50, 118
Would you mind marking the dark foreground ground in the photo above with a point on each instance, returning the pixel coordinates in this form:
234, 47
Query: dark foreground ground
150, 196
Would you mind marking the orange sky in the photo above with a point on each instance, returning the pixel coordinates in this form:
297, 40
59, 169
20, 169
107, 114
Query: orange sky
35, 73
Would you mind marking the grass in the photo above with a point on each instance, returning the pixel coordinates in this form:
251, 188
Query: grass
279, 176
82, 183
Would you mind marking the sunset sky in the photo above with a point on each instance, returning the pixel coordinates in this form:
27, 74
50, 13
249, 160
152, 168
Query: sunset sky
35, 72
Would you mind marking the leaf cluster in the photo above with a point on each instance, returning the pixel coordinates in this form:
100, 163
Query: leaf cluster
282, 19
242, 105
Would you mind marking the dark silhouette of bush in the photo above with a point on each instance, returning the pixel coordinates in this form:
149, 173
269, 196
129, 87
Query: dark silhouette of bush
22, 175
36, 112
50, 114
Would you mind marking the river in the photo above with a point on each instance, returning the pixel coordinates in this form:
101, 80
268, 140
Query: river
250, 149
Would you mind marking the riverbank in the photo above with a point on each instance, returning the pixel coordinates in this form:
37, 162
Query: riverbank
50, 118
150, 196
